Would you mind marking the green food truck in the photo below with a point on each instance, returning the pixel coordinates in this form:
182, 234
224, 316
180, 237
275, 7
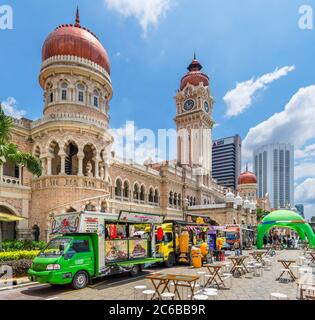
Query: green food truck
89, 245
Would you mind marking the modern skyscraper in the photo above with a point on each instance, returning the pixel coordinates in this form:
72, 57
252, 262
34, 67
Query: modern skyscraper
274, 168
226, 161
300, 209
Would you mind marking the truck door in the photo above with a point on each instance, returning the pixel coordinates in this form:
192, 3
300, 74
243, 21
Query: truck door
80, 256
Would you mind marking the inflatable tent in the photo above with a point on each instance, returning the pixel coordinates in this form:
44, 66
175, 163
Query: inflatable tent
287, 219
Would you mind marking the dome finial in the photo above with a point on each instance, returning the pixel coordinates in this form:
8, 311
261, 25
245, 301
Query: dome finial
195, 55
77, 19
247, 167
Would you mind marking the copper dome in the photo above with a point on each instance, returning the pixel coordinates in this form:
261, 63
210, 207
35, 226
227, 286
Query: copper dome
76, 41
247, 178
194, 76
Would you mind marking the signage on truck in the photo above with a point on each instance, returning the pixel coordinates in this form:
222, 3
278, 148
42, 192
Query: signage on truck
138, 248
67, 223
138, 217
116, 250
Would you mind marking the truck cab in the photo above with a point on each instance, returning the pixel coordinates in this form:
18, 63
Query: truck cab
165, 247
65, 260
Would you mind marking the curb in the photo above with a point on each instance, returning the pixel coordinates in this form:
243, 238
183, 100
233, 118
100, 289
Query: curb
21, 285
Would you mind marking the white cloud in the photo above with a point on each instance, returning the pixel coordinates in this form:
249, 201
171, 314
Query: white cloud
10, 108
309, 211
240, 98
304, 169
295, 124
147, 12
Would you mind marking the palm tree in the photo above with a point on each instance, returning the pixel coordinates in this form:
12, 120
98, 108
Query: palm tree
10, 152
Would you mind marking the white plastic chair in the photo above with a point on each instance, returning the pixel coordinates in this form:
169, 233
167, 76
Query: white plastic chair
168, 296
137, 292
200, 297
278, 296
148, 294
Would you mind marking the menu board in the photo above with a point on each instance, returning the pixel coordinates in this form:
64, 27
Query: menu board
116, 250
138, 248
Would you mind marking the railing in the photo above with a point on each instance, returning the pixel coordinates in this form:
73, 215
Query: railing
208, 206
64, 116
11, 180
68, 182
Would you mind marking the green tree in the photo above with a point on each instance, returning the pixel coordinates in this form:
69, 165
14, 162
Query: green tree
9, 151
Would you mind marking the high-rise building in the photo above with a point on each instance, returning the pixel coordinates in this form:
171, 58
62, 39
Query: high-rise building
300, 209
274, 169
226, 161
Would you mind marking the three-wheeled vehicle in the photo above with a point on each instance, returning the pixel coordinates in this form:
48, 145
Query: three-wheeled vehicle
89, 245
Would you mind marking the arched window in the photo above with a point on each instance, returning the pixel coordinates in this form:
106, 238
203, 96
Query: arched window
126, 190
96, 98
81, 90
204, 201
194, 201
151, 196
175, 199
64, 91
142, 193
136, 192
191, 201
118, 188
171, 198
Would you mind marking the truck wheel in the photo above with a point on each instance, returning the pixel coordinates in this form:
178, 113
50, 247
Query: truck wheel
170, 261
135, 270
80, 280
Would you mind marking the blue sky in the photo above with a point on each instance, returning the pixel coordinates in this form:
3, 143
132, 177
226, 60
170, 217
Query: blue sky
150, 49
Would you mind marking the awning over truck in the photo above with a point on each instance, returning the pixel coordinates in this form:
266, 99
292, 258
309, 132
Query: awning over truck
7, 217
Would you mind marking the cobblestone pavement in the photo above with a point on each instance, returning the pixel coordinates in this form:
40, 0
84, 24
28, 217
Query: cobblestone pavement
121, 287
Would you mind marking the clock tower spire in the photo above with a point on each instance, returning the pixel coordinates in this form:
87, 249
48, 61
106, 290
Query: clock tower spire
194, 120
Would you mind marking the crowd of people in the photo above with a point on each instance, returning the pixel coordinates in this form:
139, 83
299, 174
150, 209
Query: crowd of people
285, 241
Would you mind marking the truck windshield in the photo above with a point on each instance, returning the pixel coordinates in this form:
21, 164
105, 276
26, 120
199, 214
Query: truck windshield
55, 247
231, 236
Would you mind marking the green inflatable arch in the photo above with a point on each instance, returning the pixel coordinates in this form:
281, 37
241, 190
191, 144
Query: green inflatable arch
287, 219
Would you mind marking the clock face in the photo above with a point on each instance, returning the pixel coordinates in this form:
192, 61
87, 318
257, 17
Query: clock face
189, 104
206, 106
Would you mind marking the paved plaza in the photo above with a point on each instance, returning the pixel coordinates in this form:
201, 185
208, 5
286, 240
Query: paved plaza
121, 287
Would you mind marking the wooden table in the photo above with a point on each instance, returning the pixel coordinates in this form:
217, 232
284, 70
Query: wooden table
238, 261
312, 254
287, 264
161, 283
258, 256
303, 283
215, 277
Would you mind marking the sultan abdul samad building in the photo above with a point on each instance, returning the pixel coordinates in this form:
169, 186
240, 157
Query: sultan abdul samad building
73, 142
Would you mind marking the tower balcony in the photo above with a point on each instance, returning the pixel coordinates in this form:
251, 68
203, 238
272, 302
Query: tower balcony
69, 182
71, 117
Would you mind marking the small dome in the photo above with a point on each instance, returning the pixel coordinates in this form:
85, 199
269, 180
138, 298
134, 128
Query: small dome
229, 197
247, 204
247, 177
74, 40
194, 76
238, 200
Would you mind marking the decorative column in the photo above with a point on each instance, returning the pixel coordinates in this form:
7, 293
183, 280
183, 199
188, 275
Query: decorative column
49, 167
97, 166
63, 163
80, 164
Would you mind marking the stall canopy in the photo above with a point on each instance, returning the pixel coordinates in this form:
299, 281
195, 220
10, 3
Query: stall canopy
7, 217
285, 219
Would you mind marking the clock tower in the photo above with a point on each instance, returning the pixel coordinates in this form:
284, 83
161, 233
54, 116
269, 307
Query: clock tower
194, 121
